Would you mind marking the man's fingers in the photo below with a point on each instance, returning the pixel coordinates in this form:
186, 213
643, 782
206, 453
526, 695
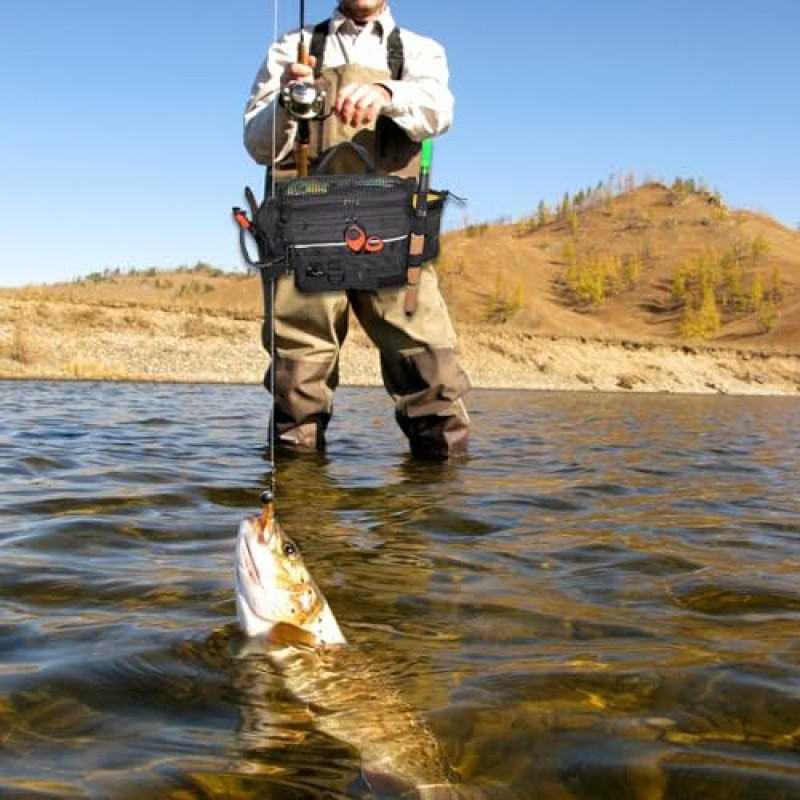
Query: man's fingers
299, 72
359, 103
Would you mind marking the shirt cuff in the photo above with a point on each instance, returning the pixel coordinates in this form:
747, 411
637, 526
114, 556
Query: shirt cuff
400, 102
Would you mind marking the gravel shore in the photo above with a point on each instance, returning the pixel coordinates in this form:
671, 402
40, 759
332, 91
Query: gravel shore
75, 341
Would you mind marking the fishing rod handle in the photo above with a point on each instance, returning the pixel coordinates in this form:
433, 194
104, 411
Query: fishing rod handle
303, 55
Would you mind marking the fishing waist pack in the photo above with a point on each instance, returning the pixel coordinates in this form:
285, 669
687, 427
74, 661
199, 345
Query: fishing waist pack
338, 232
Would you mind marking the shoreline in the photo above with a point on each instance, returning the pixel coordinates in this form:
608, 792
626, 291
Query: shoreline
83, 342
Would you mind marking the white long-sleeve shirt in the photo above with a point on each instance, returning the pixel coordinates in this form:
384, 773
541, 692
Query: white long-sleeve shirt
421, 103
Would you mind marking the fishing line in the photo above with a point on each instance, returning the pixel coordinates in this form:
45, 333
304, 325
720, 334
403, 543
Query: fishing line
301, 135
269, 493
274, 113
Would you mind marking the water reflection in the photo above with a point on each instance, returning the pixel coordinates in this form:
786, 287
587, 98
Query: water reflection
602, 602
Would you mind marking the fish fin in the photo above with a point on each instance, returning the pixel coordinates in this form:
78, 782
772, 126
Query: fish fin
286, 634
442, 791
386, 784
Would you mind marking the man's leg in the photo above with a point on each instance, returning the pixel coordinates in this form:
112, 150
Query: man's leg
309, 329
420, 367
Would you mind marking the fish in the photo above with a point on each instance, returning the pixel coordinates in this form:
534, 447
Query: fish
276, 597
279, 603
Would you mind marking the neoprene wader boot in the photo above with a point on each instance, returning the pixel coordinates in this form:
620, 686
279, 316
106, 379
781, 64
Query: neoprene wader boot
435, 438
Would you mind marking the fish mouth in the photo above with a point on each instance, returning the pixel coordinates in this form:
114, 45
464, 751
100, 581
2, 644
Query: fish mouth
266, 524
255, 532
247, 563
249, 582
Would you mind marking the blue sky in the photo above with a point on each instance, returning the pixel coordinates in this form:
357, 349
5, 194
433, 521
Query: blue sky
120, 144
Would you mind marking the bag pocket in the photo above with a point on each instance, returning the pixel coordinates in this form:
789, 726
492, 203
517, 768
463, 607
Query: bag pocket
316, 216
433, 224
334, 267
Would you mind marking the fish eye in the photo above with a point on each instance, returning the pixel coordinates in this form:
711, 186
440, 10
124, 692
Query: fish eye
289, 549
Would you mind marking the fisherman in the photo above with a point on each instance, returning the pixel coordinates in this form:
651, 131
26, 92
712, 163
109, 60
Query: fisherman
387, 90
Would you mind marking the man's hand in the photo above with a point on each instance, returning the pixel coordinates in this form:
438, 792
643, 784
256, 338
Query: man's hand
358, 104
299, 72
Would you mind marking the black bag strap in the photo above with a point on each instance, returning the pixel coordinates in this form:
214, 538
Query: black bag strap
395, 56
359, 150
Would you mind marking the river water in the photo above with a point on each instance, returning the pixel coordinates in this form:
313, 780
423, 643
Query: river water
603, 602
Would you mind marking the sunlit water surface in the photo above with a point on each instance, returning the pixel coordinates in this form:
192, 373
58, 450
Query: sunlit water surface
604, 602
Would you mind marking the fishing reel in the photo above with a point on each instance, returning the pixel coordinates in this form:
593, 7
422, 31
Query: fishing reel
304, 100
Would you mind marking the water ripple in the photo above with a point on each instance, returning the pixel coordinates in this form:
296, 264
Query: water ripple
602, 602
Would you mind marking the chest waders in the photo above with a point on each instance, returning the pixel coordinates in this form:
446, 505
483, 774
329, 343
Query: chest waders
390, 149
417, 350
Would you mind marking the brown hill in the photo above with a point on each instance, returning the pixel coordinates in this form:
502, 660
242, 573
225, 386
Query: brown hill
653, 229
655, 265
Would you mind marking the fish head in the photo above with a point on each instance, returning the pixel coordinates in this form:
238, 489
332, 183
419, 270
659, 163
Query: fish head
275, 594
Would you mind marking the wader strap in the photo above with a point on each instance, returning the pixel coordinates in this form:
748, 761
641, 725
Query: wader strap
395, 57
317, 46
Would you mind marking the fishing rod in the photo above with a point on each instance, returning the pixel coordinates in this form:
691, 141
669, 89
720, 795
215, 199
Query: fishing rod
303, 128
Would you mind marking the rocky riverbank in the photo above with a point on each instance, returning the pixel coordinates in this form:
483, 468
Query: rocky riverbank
61, 340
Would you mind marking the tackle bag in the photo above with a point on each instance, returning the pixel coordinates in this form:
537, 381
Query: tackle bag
338, 232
